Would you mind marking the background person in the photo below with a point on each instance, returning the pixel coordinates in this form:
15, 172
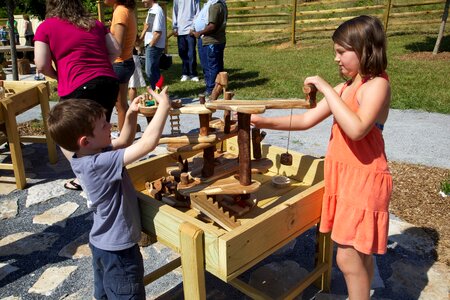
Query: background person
124, 30
213, 39
29, 36
15, 30
154, 36
358, 183
183, 15
137, 80
28, 31
77, 50
4, 36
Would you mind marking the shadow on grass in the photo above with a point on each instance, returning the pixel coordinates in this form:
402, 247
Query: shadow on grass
428, 44
237, 79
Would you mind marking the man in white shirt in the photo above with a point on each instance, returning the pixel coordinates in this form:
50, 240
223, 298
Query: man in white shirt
154, 36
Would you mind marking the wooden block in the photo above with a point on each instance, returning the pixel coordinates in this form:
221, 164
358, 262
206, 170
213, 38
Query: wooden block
206, 205
224, 186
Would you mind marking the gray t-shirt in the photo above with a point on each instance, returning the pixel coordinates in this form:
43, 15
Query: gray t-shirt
110, 192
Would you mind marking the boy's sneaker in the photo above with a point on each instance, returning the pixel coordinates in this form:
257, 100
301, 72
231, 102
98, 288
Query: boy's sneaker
184, 78
195, 78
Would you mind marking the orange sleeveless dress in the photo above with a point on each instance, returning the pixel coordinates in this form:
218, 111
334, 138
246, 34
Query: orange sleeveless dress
358, 186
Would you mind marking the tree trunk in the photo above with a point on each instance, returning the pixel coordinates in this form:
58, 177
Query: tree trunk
10, 6
441, 29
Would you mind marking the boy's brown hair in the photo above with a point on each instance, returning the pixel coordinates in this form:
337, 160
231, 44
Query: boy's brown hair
365, 35
71, 119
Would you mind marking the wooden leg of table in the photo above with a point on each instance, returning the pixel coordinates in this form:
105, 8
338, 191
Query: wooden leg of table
14, 145
247, 289
325, 255
45, 108
192, 261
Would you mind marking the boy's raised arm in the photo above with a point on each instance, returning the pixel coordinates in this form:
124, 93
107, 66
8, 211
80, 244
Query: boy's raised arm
152, 133
128, 132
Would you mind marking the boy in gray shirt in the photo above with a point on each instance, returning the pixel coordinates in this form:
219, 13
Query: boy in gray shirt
80, 126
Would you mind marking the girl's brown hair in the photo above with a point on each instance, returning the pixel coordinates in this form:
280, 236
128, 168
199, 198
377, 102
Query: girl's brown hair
365, 36
72, 11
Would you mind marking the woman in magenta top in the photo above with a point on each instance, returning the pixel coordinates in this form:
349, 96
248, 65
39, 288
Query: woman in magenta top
78, 51
82, 50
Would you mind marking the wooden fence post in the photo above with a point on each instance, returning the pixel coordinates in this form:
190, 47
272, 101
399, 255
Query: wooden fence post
387, 11
441, 28
294, 17
100, 11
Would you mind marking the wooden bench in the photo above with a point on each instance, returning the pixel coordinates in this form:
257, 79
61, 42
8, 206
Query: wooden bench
22, 96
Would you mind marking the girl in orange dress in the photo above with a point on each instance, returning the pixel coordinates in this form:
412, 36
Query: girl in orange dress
358, 183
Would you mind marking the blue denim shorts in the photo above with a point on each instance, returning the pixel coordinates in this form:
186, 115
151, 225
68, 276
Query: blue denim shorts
118, 274
124, 70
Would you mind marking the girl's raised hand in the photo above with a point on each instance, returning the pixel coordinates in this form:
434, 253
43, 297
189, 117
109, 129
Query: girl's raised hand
318, 81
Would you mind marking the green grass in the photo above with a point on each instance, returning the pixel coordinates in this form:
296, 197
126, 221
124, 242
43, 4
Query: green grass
445, 186
267, 68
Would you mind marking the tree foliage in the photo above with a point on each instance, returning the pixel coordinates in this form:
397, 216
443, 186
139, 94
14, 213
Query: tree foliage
37, 7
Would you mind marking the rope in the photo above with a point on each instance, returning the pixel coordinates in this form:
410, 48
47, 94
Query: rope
289, 133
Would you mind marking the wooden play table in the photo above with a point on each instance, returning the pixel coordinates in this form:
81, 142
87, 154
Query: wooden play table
22, 96
281, 215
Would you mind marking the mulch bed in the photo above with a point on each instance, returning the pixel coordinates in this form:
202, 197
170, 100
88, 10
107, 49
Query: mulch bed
415, 198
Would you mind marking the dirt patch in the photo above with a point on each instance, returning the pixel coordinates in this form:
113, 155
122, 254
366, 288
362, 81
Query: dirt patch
425, 56
415, 198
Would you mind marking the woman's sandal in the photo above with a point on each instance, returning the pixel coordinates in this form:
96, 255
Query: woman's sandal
72, 185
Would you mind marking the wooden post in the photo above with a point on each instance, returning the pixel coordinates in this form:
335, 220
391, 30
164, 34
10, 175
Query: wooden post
245, 175
44, 93
227, 113
310, 91
324, 252
204, 124
294, 18
220, 86
7, 109
100, 11
387, 11
208, 153
201, 98
256, 142
192, 261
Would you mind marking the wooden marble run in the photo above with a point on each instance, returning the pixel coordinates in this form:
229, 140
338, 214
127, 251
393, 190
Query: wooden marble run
225, 201
215, 183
